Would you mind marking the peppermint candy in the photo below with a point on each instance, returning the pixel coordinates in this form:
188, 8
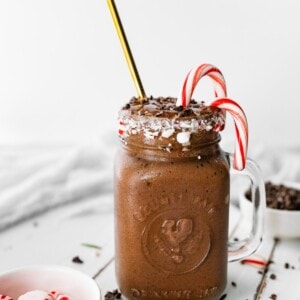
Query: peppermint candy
38, 295
221, 101
193, 78
241, 129
4, 297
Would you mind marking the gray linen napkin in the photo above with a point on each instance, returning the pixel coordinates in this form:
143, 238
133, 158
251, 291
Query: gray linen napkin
35, 180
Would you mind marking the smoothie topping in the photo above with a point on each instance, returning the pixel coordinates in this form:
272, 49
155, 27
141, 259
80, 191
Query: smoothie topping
178, 119
161, 118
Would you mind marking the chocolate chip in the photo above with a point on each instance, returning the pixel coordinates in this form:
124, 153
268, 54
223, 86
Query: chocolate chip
273, 276
126, 106
144, 101
186, 113
273, 297
178, 108
287, 265
279, 196
115, 294
77, 260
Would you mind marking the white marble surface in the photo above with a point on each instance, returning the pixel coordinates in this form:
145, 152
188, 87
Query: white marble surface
59, 234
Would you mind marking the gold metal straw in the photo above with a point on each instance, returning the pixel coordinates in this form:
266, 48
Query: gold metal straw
126, 49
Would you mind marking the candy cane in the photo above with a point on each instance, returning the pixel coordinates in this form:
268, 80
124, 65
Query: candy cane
194, 76
4, 297
63, 297
241, 129
58, 296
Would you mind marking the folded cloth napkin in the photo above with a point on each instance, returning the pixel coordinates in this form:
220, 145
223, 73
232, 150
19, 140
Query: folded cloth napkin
34, 180
278, 165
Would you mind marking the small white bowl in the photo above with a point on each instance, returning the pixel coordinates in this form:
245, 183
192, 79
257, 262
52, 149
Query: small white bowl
72, 283
277, 222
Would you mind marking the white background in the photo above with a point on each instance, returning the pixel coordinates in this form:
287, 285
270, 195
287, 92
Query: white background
63, 76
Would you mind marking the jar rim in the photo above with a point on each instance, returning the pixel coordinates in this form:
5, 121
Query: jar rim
151, 120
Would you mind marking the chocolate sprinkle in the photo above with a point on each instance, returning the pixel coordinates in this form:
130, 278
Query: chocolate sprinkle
165, 107
223, 297
233, 284
273, 297
77, 260
115, 294
273, 276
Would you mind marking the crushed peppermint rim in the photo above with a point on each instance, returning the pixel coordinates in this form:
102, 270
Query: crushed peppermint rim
160, 118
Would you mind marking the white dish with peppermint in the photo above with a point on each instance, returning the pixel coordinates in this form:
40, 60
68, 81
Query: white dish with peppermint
47, 282
278, 222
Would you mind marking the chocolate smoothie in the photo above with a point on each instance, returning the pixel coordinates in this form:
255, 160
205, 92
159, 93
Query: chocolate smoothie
171, 201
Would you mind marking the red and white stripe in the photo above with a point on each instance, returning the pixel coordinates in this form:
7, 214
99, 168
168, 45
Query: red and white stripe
121, 127
51, 295
63, 297
57, 296
193, 78
241, 129
5, 297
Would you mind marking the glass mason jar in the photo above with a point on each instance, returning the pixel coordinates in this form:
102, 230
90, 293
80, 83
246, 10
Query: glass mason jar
172, 184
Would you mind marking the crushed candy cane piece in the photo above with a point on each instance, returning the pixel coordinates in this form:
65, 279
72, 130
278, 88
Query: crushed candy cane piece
63, 297
4, 297
38, 295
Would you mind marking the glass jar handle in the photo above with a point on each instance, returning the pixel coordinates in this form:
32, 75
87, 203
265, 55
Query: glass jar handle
240, 249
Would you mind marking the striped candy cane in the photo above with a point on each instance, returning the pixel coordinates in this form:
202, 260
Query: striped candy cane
194, 76
241, 129
226, 104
